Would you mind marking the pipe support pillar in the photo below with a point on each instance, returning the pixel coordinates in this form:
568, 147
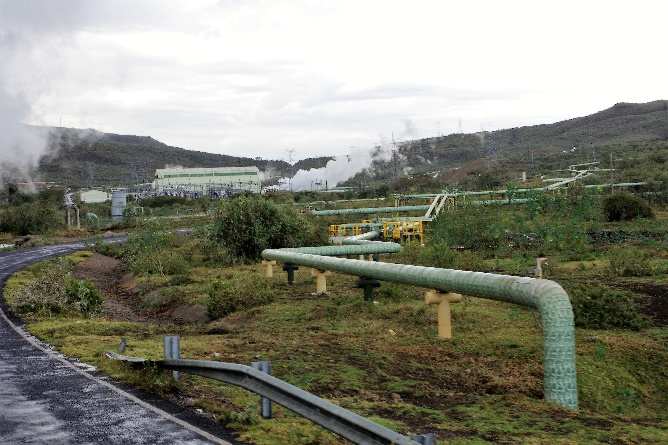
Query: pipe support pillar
443, 299
268, 267
290, 269
320, 280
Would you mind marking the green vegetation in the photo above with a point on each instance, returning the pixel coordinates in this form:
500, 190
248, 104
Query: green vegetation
629, 262
625, 206
49, 289
599, 307
30, 213
247, 225
548, 224
151, 251
234, 292
383, 359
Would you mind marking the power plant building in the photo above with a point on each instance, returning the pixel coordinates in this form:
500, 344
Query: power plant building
207, 181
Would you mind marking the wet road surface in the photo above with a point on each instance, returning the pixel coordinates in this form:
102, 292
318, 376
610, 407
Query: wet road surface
45, 398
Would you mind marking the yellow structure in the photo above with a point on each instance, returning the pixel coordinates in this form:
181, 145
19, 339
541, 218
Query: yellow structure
320, 280
444, 314
404, 231
400, 231
268, 268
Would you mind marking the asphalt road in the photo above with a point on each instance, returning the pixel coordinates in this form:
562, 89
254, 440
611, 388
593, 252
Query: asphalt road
45, 398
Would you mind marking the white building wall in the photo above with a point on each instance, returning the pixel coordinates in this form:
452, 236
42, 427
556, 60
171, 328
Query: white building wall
203, 179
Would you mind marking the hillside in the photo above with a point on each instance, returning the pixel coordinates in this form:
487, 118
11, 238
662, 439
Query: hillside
87, 158
617, 127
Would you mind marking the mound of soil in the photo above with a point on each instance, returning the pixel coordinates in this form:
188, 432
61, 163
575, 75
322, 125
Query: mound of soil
107, 275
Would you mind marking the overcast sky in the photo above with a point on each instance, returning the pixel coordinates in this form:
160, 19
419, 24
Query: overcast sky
258, 77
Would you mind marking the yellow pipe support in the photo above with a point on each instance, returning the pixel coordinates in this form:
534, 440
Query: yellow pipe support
443, 299
268, 268
321, 281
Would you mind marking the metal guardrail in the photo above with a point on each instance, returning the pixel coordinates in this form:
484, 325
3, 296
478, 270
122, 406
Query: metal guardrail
338, 420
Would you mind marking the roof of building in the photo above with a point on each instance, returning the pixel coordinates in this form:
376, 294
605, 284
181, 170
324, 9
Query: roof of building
216, 171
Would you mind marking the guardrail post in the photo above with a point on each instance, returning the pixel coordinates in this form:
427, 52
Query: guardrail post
290, 269
122, 345
265, 403
425, 439
172, 348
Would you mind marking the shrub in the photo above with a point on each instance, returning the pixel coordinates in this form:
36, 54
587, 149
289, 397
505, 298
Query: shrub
44, 295
151, 251
598, 307
625, 206
629, 262
83, 296
437, 254
247, 225
163, 201
54, 291
470, 227
235, 292
29, 218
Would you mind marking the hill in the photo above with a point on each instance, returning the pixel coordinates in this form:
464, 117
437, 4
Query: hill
85, 158
88, 158
621, 126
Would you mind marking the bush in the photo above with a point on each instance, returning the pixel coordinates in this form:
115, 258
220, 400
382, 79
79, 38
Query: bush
30, 218
625, 206
628, 262
247, 225
163, 201
236, 292
44, 295
55, 291
439, 254
83, 296
152, 252
470, 227
598, 307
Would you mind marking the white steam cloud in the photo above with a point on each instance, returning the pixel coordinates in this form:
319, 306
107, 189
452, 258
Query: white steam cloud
35, 39
339, 169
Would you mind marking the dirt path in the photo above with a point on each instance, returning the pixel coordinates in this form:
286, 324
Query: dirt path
107, 275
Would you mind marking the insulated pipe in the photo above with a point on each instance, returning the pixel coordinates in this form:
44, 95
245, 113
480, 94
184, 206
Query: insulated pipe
418, 208
412, 208
367, 248
364, 238
361, 225
546, 296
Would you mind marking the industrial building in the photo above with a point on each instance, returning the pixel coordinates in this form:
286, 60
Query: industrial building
217, 181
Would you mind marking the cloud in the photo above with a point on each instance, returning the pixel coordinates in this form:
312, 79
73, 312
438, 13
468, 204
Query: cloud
255, 78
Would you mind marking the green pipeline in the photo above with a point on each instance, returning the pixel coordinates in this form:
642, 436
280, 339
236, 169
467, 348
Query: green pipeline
365, 248
546, 296
416, 208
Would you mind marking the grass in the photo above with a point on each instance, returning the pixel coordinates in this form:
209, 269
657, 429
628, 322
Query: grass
383, 360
